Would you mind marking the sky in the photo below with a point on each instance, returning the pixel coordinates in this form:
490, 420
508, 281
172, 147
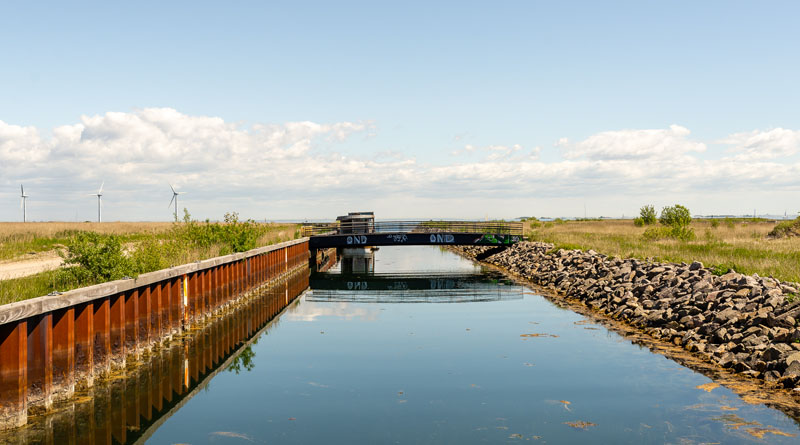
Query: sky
307, 110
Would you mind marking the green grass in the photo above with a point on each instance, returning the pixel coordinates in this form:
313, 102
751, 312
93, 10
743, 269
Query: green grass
146, 248
741, 245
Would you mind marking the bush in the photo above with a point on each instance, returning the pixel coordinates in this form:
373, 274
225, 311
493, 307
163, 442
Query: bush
647, 215
232, 236
96, 258
638, 222
656, 233
786, 229
715, 223
676, 216
676, 220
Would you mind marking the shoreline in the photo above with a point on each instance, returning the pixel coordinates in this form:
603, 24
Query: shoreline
682, 311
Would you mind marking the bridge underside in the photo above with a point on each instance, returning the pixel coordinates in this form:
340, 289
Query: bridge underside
412, 239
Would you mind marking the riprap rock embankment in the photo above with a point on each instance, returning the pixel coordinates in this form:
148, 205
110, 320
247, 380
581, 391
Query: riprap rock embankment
744, 322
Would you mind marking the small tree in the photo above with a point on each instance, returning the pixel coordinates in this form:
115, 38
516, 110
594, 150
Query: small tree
648, 214
96, 257
676, 216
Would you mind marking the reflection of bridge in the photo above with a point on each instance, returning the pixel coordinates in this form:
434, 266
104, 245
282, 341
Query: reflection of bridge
412, 233
405, 288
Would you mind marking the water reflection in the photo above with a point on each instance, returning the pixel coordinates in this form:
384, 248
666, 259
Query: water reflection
134, 402
412, 288
358, 260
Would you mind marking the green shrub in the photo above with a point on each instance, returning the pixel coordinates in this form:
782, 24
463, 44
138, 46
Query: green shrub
656, 233
715, 223
682, 233
638, 222
785, 229
647, 214
96, 258
676, 216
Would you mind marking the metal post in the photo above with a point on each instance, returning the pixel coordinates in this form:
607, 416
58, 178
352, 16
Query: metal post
13, 374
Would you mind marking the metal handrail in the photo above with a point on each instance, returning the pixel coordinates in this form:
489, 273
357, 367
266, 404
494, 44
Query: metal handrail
496, 227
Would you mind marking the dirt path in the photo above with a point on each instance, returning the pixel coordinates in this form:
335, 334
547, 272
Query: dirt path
29, 266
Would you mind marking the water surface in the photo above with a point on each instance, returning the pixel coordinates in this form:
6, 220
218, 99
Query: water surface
350, 364
410, 345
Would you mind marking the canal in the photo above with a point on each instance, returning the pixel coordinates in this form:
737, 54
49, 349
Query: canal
408, 345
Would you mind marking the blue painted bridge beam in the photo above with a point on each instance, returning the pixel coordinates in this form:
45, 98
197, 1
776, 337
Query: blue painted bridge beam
412, 239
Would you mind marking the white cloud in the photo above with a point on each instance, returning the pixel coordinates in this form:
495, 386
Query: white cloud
775, 143
306, 165
633, 144
19, 145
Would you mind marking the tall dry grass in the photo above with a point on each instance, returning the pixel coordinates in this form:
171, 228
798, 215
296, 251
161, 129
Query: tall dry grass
740, 245
18, 239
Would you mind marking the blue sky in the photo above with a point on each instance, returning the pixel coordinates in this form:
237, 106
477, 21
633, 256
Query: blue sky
453, 109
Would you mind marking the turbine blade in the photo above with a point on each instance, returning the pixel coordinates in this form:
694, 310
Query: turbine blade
22, 203
21, 190
100, 192
170, 201
173, 188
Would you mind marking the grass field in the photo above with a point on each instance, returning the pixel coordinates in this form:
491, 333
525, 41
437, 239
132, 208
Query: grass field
741, 245
17, 239
172, 243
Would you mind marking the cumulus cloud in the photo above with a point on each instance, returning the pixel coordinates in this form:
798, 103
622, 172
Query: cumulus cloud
20, 145
757, 144
633, 144
139, 152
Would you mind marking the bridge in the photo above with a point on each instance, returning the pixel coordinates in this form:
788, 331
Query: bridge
358, 230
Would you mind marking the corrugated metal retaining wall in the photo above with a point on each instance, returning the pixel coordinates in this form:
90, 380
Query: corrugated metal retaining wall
50, 344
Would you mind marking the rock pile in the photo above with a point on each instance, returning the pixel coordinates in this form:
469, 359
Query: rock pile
747, 323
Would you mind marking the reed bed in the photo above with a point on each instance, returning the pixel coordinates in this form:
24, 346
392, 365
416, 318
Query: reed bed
741, 245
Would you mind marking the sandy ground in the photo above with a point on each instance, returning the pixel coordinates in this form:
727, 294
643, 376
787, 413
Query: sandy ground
33, 264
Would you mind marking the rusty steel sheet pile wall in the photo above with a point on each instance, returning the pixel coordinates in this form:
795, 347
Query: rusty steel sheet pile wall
49, 345
130, 406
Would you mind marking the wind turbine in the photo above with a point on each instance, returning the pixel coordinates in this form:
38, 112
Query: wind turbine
98, 194
23, 204
174, 198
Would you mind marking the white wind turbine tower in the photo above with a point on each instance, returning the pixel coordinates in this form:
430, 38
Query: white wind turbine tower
23, 204
174, 198
98, 194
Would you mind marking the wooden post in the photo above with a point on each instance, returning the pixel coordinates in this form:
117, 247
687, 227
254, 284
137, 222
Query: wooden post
13, 374
63, 353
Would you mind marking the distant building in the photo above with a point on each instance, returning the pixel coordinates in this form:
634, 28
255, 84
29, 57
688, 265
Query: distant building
356, 222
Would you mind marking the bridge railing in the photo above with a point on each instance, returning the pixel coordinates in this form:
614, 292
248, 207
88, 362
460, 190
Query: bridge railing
340, 228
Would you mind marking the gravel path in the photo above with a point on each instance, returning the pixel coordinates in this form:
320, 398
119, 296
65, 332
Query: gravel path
29, 266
